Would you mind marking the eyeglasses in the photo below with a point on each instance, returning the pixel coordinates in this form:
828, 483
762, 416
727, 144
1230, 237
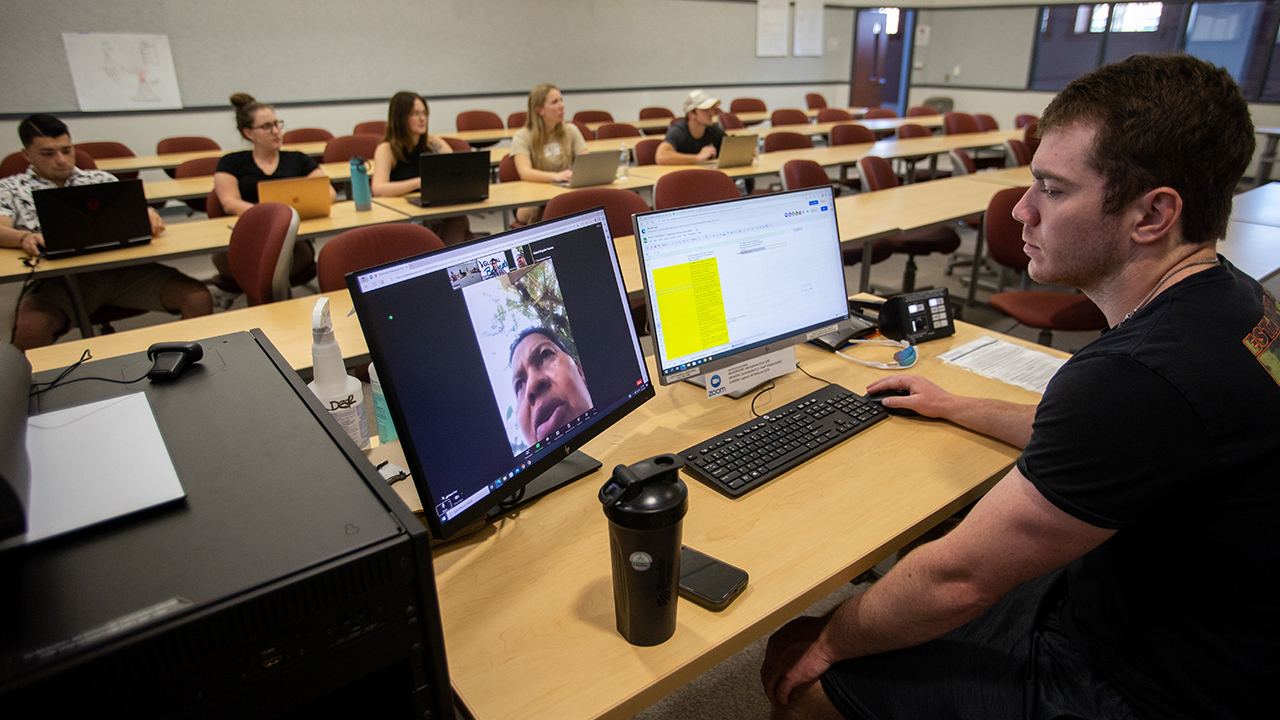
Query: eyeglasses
417, 114
268, 127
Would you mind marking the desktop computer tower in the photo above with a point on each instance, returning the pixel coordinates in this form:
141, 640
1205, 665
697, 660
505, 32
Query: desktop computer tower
290, 578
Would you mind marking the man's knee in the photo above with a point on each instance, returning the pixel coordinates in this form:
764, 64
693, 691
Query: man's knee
186, 296
808, 702
38, 324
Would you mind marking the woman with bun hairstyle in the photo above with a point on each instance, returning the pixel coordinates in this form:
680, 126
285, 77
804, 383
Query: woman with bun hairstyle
543, 150
396, 167
238, 174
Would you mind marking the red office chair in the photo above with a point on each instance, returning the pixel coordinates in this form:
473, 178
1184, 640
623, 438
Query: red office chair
1030, 135
377, 128
788, 116
692, 187
826, 115
877, 174
1045, 310
880, 114
962, 163
798, 174
587, 134
84, 160
920, 111
345, 147
368, 246
650, 113
814, 101
184, 144
213, 205
15, 163
986, 123
911, 130
851, 135
957, 123
200, 167
729, 121
784, 140
107, 149
507, 171
742, 105
617, 130
457, 145
516, 119
479, 120
592, 116
261, 251
1020, 121
1016, 153
647, 150
306, 135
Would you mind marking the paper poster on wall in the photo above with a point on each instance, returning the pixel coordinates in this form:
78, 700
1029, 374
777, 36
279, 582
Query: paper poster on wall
771, 27
808, 42
114, 71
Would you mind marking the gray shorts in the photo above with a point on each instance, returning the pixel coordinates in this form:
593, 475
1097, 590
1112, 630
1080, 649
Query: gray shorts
1012, 662
136, 287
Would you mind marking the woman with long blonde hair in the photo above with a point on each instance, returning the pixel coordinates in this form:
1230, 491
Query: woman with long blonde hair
544, 149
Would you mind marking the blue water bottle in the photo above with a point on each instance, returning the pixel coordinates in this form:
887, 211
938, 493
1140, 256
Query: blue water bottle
360, 184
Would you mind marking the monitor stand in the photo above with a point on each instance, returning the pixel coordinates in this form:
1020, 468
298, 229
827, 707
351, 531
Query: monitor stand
578, 465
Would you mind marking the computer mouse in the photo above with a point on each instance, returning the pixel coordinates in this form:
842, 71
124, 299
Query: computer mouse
897, 392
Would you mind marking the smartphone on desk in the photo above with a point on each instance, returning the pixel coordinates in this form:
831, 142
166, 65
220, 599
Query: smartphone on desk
709, 582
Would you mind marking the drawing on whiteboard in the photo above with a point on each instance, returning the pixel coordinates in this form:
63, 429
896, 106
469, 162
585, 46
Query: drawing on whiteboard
122, 72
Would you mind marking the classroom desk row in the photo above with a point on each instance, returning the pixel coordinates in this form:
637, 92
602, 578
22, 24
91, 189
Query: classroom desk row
173, 160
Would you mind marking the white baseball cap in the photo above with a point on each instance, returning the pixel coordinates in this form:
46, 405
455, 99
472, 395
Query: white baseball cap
699, 100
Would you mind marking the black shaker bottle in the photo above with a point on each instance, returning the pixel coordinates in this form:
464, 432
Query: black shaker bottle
646, 503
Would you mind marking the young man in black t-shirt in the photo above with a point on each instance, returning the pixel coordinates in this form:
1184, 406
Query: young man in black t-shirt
696, 138
1152, 453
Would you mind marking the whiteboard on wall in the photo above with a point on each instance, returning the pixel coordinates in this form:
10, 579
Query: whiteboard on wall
772, 19
116, 71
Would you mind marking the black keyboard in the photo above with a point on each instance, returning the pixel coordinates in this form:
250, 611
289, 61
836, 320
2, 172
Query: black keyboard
761, 449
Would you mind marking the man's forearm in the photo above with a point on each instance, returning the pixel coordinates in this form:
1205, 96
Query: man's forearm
1010, 422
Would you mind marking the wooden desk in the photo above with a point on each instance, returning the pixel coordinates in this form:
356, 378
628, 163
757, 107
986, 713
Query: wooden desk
1253, 248
1008, 177
1260, 205
527, 603
644, 124
202, 185
483, 136
172, 160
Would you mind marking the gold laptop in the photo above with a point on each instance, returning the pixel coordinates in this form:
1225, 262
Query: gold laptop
308, 195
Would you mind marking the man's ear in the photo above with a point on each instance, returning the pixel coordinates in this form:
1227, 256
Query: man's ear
1159, 213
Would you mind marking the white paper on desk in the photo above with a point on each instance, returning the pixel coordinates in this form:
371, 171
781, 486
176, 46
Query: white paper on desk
95, 462
1005, 361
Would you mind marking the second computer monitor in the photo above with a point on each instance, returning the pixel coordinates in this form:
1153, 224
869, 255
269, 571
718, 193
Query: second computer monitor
729, 281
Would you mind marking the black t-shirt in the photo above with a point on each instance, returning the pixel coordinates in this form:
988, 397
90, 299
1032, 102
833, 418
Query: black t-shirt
248, 174
1165, 429
680, 139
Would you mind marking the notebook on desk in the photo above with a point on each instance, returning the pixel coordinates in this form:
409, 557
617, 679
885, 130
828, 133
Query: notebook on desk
735, 151
91, 218
589, 169
453, 179
310, 196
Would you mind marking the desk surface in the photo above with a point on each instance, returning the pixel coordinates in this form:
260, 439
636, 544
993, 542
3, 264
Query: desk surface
172, 160
1252, 247
201, 185
1260, 205
527, 603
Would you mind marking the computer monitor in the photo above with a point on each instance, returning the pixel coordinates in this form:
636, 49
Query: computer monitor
501, 357
734, 280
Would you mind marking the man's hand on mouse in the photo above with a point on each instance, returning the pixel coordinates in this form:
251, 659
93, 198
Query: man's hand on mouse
926, 398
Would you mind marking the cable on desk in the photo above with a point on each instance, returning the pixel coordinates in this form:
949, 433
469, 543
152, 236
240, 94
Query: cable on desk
806, 372
58, 380
772, 385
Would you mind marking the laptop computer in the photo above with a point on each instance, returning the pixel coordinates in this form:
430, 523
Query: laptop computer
308, 195
735, 151
597, 168
453, 179
92, 218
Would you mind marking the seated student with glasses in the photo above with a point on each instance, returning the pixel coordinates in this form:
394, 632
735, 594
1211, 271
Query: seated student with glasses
544, 149
396, 168
238, 174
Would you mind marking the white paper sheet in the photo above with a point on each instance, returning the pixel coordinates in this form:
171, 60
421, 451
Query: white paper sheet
95, 462
808, 30
1005, 361
772, 18
113, 71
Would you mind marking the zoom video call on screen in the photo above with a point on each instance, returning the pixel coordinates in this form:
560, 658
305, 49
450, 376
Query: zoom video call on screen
499, 351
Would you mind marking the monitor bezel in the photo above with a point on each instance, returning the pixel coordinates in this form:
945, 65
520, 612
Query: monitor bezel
749, 352
445, 530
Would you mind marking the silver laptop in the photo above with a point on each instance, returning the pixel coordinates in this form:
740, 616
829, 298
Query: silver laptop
735, 151
597, 168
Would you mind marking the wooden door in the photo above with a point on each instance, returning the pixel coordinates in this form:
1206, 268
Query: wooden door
870, 57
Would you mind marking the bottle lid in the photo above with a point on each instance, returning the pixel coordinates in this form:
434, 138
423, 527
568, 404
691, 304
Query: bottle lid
647, 495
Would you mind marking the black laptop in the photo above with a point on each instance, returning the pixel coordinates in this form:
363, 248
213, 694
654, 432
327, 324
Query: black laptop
453, 179
91, 218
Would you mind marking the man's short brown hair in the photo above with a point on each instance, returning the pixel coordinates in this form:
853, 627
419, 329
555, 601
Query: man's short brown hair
1164, 120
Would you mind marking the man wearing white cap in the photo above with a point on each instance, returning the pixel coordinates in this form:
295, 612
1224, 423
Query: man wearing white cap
695, 139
